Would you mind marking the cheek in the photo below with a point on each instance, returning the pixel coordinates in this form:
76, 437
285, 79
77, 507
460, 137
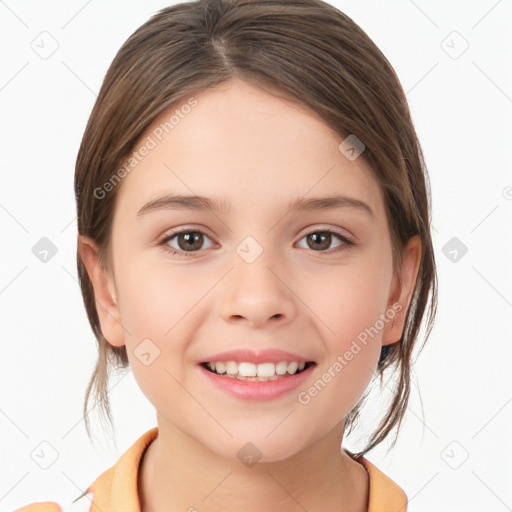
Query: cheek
349, 298
349, 302
349, 311
157, 298
156, 312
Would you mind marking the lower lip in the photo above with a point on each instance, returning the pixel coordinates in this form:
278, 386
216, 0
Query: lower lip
255, 390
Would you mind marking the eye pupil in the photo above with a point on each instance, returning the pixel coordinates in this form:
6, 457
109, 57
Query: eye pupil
320, 240
191, 238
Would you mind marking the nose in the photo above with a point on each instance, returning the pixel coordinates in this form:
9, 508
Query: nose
258, 293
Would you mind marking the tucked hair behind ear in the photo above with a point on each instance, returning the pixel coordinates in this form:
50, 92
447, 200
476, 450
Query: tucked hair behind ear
305, 50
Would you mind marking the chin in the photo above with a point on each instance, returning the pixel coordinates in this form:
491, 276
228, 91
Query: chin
258, 446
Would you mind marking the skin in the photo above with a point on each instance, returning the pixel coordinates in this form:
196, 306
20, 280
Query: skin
257, 152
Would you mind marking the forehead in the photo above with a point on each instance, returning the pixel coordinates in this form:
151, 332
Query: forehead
245, 145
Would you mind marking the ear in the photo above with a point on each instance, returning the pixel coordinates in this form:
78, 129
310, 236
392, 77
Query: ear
105, 294
401, 291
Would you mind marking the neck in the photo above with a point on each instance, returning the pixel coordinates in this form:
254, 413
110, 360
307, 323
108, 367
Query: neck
178, 473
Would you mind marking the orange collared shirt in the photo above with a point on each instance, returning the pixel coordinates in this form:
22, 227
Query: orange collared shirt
115, 490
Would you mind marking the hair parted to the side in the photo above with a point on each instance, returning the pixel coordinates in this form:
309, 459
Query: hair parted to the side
304, 50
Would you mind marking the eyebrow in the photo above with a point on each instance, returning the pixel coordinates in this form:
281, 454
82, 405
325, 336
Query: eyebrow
180, 201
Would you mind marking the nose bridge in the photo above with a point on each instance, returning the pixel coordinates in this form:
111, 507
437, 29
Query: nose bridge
256, 290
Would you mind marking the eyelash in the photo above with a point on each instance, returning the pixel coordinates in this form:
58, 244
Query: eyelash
347, 243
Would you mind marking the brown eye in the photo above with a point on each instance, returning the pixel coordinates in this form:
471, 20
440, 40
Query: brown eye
190, 241
185, 242
321, 240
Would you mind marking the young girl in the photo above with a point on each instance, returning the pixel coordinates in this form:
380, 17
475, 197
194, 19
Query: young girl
254, 242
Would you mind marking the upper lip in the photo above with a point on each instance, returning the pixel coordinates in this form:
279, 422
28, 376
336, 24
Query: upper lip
271, 355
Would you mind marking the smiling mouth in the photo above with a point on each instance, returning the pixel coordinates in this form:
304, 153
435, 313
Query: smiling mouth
256, 372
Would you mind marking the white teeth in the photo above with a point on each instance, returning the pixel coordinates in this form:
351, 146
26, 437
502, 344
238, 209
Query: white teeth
247, 369
265, 370
281, 368
292, 368
231, 368
252, 371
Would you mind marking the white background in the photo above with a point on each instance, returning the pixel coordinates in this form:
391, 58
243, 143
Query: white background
461, 398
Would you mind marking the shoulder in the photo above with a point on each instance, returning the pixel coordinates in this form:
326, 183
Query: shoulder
80, 504
118, 484
384, 493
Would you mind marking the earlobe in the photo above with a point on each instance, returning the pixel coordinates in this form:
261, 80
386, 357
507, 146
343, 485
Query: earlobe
104, 292
402, 291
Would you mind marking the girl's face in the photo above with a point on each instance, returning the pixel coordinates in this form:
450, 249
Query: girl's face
250, 272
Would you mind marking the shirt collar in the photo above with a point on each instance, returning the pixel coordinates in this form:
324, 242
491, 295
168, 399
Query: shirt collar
117, 487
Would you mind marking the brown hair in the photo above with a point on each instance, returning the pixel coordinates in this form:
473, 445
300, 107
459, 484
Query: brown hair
304, 49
